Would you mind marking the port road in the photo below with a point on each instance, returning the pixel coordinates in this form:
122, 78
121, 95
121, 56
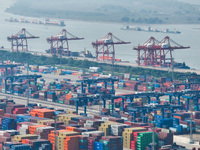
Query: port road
125, 63
22, 100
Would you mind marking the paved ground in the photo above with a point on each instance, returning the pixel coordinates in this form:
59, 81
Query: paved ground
50, 77
185, 139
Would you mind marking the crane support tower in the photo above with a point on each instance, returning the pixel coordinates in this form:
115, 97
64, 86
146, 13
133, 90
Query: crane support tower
19, 40
59, 43
106, 47
157, 53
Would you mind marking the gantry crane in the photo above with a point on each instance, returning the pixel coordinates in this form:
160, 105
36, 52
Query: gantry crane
145, 109
20, 40
90, 81
107, 47
59, 43
157, 53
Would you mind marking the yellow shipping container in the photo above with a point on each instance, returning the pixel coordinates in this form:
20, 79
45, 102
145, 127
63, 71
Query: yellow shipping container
105, 130
68, 133
19, 138
134, 129
43, 121
128, 135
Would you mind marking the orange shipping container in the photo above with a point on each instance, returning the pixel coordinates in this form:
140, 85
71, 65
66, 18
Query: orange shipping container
117, 59
32, 129
68, 96
177, 117
95, 75
127, 84
51, 137
70, 128
33, 114
25, 141
105, 58
42, 113
75, 73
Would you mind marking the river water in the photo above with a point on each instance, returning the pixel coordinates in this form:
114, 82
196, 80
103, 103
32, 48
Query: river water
92, 31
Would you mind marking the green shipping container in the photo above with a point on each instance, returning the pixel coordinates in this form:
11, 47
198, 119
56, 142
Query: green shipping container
110, 106
120, 87
61, 102
149, 87
134, 79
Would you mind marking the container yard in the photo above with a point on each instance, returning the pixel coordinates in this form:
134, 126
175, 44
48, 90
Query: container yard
46, 108
63, 97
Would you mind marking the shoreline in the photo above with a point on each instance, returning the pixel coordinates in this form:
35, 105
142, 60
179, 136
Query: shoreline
105, 22
122, 63
132, 64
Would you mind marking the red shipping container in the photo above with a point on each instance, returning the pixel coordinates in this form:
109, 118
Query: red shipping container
133, 145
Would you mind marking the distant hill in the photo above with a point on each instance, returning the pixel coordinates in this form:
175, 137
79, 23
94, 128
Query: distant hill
196, 2
129, 11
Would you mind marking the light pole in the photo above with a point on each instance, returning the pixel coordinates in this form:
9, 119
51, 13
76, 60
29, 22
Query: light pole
112, 67
191, 136
172, 71
55, 131
61, 52
153, 138
27, 103
100, 104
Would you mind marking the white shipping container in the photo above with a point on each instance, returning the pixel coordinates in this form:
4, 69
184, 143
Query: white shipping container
127, 75
2, 132
104, 118
41, 94
49, 100
92, 132
89, 122
43, 128
43, 67
173, 129
99, 84
125, 119
87, 125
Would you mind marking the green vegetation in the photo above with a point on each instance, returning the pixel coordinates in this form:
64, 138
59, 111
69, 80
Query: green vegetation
129, 11
44, 60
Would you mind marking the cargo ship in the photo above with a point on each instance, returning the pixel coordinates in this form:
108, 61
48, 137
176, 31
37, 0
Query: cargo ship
149, 29
59, 23
36, 22
85, 53
12, 20
45, 22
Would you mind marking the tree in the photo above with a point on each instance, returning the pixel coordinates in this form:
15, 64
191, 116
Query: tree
125, 19
133, 20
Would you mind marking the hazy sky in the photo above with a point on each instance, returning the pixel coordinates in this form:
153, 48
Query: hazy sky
191, 1
5, 3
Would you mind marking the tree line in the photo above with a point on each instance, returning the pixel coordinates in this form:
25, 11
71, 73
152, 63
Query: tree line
22, 57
